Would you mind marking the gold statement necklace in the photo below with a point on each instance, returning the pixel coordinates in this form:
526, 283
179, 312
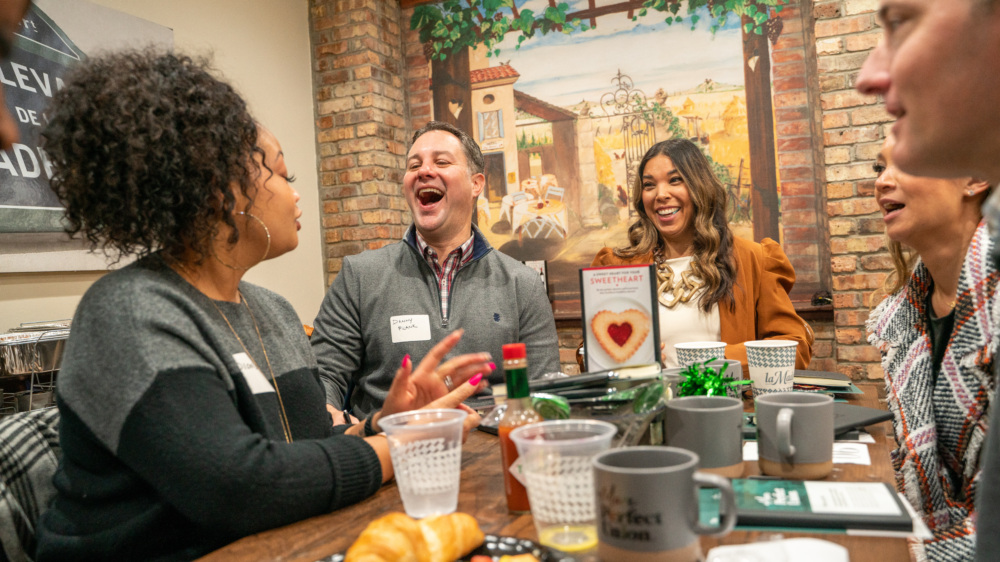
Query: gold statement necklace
284, 416
670, 289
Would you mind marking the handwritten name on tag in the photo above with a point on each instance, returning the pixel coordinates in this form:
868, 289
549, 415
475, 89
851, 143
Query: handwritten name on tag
413, 327
256, 380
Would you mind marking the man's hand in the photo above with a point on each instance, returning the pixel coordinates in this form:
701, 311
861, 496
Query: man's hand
339, 417
455, 398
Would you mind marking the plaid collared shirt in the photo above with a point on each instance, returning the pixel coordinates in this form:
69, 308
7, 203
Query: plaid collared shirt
446, 273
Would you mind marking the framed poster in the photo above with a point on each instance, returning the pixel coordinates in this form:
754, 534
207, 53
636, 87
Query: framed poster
621, 326
55, 34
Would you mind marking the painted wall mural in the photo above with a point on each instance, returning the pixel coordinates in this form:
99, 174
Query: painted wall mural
565, 99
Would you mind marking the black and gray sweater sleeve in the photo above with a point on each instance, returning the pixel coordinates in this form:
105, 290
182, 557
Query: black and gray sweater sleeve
169, 437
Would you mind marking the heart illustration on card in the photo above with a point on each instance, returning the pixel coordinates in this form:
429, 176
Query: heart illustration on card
620, 333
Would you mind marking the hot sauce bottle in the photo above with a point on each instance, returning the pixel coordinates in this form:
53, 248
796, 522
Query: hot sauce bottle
519, 412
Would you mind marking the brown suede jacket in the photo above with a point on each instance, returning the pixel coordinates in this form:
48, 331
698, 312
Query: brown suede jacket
762, 309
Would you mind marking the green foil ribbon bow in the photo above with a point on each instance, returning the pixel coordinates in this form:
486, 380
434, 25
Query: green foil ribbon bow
702, 380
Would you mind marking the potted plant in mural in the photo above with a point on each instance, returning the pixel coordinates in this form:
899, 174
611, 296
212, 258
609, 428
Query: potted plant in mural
590, 149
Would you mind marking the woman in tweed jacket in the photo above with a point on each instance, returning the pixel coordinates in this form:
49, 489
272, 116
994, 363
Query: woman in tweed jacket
935, 333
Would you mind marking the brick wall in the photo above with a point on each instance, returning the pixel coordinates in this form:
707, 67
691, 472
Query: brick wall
361, 125
803, 222
418, 76
795, 84
853, 128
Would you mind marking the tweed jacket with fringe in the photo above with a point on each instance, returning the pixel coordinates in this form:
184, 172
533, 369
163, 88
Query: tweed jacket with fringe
940, 423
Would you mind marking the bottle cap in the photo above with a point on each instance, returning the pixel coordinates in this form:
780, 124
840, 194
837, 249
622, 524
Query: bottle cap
514, 351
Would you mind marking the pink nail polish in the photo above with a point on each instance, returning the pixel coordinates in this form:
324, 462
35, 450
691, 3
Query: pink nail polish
493, 366
406, 360
475, 380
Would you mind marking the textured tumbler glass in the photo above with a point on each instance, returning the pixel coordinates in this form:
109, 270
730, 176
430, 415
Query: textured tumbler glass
426, 451
556, 460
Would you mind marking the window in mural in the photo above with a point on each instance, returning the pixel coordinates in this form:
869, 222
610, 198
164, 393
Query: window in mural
579, 91
491, 125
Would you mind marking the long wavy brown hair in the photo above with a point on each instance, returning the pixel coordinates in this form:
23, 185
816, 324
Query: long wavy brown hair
713, 240
903, 261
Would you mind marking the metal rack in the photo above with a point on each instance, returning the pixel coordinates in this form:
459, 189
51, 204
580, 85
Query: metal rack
31, 356
8, 404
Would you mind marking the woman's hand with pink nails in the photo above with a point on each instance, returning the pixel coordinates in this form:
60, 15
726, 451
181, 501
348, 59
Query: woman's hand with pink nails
418, 388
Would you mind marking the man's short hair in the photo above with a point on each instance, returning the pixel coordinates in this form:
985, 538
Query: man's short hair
473, 155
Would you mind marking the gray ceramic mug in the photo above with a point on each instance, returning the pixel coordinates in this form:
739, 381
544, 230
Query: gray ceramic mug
647, 505
712, 427
795, 435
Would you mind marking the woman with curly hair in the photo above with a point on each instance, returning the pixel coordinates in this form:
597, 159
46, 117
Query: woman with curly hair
712, 286
935, 331
191, 409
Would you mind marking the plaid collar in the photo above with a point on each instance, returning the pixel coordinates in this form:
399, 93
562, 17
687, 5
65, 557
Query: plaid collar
464, 251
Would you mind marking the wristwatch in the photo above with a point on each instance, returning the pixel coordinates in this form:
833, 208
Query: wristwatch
368, 431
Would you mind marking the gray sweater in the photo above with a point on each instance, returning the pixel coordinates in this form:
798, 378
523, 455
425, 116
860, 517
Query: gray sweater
170, 449
494, 298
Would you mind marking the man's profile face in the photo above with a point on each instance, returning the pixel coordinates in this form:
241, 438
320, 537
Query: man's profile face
938, 68
439, 187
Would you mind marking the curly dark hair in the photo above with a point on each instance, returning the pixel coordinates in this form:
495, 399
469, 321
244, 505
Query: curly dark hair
145, 147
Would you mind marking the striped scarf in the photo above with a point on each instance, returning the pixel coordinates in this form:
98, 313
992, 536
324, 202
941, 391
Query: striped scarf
940, 426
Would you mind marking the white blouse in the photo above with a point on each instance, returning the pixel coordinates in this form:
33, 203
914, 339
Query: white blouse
686, 321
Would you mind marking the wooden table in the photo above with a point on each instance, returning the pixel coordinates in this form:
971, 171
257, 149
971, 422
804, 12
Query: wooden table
482, 496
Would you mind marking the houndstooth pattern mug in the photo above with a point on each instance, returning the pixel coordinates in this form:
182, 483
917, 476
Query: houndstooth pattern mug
772, 365
699, 351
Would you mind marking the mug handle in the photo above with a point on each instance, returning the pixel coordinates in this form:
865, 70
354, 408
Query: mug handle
784, 423
727, 506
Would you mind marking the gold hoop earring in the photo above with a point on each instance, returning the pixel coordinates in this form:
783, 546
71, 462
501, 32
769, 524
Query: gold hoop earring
266, 249
266, 231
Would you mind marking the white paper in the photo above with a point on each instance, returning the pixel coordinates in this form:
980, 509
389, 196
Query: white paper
868, 498
255, 379
843, 453
814, 550
863, 437
851, 453
920, 530
411, 327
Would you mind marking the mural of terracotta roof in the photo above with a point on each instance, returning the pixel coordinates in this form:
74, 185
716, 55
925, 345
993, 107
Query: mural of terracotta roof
492, 73
543, 109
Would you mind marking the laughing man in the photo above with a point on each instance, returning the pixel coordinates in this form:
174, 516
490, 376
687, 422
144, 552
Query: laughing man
396, 302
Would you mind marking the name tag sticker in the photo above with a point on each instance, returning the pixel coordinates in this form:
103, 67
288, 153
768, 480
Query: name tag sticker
256, 380
414, 327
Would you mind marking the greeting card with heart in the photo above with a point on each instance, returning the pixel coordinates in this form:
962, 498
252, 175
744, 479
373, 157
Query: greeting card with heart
619, 316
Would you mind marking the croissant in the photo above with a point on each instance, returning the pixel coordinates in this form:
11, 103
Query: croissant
396, 537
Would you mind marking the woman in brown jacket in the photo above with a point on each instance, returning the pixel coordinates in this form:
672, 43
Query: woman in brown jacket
712, 285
